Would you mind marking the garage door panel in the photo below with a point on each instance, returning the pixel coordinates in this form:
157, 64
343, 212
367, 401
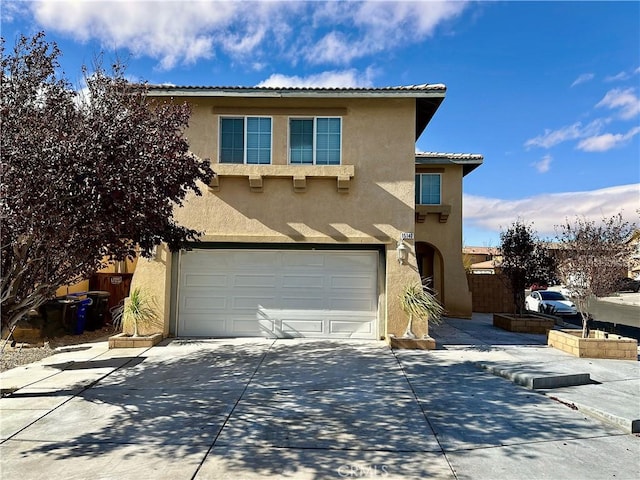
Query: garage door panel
351, 304
253, 303
204, 303
358, 282
205, 280
303, 259
260, 259
249, 326
200, 325
302, 281
350, 263
298, 303
343, 326
280, 293
303, 327
253, 281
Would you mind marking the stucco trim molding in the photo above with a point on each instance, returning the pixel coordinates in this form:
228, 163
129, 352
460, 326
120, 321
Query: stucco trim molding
298, 174
442, 210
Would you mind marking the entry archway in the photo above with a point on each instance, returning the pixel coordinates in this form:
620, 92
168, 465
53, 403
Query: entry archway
431, 264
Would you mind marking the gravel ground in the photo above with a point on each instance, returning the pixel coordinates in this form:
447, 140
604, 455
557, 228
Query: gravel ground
24, 353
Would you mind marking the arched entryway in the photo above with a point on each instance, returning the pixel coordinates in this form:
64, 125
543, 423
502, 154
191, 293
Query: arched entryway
431, 264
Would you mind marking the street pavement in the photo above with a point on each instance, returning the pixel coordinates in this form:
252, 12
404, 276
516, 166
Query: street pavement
316, 409
625, 298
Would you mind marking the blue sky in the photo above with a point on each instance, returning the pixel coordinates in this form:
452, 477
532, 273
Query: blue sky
548, 92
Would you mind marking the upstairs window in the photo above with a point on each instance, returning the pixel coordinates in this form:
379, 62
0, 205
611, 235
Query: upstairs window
315, 141
245, 140
428, 189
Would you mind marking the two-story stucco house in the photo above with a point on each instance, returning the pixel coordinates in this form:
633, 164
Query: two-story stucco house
302, 224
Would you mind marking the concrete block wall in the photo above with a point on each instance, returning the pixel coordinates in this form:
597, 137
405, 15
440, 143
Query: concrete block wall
490, 294
596, 346
523, 324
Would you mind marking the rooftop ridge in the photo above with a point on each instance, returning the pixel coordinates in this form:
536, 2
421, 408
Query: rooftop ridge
420, 87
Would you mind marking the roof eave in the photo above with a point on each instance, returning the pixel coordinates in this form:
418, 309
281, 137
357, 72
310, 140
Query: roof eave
426, 108
468, 161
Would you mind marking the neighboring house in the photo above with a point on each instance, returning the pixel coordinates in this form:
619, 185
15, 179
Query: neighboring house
303, 219
634, 261
480, 259
490, 267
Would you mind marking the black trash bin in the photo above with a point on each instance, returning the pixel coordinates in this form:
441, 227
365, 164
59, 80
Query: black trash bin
59, 316
98, 309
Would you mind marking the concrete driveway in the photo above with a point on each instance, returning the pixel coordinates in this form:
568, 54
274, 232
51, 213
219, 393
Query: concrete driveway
302, 409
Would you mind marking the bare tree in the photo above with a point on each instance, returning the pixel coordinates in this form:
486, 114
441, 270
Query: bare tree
524, 260
84, 178
592, 257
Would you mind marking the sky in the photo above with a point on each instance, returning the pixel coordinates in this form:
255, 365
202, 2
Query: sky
548, 92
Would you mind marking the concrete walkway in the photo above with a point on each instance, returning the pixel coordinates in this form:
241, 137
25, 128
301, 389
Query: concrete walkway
304, 409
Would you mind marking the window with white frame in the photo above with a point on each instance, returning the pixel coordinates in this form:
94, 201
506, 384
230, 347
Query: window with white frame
315, 141
245, 140
428, 189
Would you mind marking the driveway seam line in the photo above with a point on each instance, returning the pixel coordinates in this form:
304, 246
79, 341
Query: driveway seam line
226, 420
424, 414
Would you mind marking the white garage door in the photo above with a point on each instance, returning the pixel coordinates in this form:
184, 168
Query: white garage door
278, 293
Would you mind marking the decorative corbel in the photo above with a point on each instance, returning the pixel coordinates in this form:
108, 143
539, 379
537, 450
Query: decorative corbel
255, 183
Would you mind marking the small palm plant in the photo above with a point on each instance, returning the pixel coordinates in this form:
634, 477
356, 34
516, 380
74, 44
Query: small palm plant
138, 309
419, 300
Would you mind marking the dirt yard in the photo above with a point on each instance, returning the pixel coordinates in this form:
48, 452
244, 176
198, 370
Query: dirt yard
23, 353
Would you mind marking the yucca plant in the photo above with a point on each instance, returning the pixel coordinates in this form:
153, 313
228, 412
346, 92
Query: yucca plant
139, 310
419, 300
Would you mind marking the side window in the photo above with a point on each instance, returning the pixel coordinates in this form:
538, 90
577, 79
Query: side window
315, 141
428, 189
245, 140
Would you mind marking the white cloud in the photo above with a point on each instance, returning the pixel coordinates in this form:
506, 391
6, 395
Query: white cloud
375, 26
342, 78
617, 77
574, 131
172, 32
184, 32
334, 48
585, 77
548, 210
625, 100
544, 164
607, 141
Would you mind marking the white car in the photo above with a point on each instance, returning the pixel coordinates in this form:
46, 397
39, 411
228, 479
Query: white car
547, 301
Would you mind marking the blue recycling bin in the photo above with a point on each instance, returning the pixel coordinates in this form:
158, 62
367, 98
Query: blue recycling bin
82, 311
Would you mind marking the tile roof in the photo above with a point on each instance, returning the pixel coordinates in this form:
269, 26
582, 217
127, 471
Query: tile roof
421, 87
450, 156
468, 161
424, 90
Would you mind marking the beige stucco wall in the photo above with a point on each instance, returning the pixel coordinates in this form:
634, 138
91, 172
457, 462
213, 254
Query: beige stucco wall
446, 238
377, 140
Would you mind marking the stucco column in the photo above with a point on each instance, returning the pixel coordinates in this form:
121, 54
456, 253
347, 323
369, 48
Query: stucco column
398, 277
153, 277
